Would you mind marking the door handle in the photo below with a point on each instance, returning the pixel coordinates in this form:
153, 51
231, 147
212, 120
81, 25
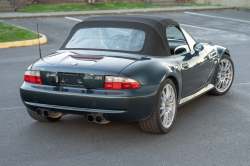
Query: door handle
185, 65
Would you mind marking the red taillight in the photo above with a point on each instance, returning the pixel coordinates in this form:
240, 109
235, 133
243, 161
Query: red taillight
33, 76
108, 85
120, 83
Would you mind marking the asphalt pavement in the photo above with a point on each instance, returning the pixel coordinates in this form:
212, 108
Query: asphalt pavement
208, 131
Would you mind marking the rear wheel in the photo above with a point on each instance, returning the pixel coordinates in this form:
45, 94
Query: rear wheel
225, 76
41, 118
164, 112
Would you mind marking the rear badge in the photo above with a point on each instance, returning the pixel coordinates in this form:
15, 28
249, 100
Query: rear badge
87, 77
74, 64
98, 78
39, 68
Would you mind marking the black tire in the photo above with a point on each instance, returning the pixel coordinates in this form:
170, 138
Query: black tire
214, 91
41, 118
153, 124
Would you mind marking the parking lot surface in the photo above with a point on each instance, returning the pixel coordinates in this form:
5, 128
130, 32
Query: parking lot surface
208, 131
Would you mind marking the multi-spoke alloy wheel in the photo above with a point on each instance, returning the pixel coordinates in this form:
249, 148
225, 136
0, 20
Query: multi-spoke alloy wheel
225, 76
163, 116
168, 106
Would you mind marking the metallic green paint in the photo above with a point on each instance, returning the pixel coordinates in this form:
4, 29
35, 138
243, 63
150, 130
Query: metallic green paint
221, 51
136, 104
74, 108
195, 74
196, 71
150, 71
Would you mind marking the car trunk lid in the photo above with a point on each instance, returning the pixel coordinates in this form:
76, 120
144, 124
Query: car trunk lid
81, 70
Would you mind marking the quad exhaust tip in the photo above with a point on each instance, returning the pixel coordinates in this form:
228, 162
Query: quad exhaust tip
39, 111
97, 118
91, 118
48, 113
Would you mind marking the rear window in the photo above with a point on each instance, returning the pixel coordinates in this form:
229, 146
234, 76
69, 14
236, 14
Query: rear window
122, 39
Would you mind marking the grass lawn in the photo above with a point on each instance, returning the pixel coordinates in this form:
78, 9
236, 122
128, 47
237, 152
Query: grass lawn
86, 7
9, 33
197, 4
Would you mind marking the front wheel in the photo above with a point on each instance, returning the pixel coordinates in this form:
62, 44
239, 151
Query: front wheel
163, 116
225, 76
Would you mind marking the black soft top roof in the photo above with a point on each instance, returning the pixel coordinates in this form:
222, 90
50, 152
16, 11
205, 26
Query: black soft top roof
156, 43
150, 20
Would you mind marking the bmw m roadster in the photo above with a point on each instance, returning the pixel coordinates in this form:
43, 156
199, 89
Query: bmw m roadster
125, 68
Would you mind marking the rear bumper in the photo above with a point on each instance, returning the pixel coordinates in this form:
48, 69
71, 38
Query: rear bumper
116, 105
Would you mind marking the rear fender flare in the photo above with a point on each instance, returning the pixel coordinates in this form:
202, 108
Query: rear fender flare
148, 73
171, 76
176, 80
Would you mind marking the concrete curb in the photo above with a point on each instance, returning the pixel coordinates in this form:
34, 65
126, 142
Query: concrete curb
23, 43
243, 9
110, 12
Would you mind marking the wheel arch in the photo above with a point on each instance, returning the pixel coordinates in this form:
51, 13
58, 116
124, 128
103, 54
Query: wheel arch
173, 77
221, 51
175, 81
227, 53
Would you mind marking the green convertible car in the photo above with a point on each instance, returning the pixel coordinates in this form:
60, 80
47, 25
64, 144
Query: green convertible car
125, 68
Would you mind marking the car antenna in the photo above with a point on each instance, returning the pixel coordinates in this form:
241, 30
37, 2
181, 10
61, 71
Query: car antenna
39, 42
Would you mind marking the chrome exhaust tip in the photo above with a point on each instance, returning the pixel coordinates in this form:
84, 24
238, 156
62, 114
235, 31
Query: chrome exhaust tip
46, 113
91, 118
52, 114
39, 111
99, 118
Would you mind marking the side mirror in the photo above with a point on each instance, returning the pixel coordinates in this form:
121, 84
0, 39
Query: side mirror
198, 47
181, 49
